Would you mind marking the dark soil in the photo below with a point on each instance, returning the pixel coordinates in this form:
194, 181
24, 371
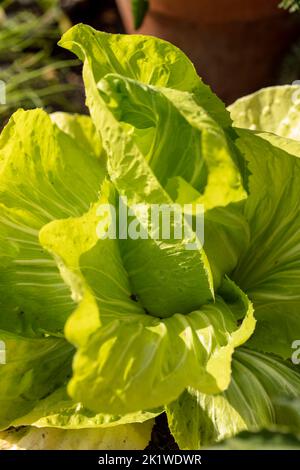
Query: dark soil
161, 438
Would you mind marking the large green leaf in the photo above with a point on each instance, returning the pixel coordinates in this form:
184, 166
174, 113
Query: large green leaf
140, 168
111, 373
134, 165
42, 168
226, 175
168, 137
81, 128
269, 270
44, 175
153, 320
33, 297
252, 402
59, 411
139, 10
34, 368
161, 356
226, 237
152, 135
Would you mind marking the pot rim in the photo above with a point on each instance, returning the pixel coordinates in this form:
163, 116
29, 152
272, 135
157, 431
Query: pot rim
214, 11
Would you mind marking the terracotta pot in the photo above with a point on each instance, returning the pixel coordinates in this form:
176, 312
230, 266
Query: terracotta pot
236, 45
